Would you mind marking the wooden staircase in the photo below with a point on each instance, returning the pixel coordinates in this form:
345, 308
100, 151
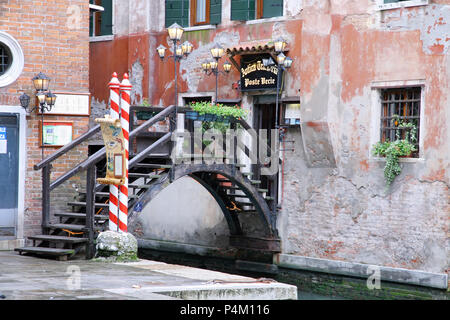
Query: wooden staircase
65, 238
65, 234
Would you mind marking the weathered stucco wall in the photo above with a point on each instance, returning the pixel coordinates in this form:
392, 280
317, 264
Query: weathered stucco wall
334, 204
343, 212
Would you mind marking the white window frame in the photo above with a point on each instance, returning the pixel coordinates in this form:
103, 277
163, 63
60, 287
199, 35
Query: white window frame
18, 60
375, 114
402, 4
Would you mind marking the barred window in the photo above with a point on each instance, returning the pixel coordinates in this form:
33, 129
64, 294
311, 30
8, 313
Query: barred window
5, 58
400, 115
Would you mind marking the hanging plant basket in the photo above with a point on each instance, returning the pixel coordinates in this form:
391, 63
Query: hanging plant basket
193, 115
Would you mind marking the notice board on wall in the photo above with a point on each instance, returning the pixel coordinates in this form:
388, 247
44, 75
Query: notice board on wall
55, 133
71, 104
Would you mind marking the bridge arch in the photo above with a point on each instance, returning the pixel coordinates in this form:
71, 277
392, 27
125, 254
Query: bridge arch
206, 175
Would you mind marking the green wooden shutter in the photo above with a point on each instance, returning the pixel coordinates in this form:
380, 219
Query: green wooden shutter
106, 25
272, 8
215, 11
242, 10
91, 20
177, 11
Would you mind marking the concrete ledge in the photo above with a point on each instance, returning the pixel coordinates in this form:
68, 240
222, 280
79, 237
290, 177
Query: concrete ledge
183, 248
405, 276
6, 245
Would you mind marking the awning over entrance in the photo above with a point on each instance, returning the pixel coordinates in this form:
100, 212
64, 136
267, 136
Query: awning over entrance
251, 47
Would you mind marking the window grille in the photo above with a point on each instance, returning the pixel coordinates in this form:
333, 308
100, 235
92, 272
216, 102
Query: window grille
5, 59
401, 106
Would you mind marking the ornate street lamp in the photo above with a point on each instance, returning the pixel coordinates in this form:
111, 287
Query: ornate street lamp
41, 82
45, 97
279, 44
175, 32
212, 67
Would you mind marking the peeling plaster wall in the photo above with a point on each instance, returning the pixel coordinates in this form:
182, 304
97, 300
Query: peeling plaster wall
335, 204
344, 212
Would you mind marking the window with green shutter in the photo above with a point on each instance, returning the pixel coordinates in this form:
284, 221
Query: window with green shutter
101, 23
193, 12
215, 12
255, 9
271, 8
243, 10
177, 11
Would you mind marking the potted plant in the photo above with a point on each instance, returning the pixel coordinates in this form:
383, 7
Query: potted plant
206, 111
393, 150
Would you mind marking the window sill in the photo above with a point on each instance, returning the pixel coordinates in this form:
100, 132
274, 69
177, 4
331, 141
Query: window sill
274, 19
403, 4
202, 27
101, 38
405, 160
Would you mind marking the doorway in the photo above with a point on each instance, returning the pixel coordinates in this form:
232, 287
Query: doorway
9, 174
264, 114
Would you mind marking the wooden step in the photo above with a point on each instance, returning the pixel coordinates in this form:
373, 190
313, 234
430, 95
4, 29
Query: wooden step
244, 204
80, 215
247, 211
237, 188
106, 195
139, 186
158, 155
83, 204
60, 253
153, 166
43, 237
73, 227
144, 175
243, 196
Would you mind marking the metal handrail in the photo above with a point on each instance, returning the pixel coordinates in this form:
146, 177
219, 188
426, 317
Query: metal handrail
99, 155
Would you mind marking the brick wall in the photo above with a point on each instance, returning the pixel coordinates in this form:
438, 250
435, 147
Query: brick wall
54, 36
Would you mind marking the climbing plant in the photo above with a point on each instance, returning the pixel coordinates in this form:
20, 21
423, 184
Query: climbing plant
393, 150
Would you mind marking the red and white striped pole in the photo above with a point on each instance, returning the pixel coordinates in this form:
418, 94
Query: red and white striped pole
125, 88
114, 87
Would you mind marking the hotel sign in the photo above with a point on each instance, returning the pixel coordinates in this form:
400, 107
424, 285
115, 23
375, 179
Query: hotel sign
256, 76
